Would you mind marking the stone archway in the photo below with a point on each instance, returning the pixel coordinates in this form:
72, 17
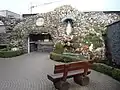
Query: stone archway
40, 42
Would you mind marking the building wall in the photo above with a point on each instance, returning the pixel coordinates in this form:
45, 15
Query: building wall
2, 13
9, 14
113, 34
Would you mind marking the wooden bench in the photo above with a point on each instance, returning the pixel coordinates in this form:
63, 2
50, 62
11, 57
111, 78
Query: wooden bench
77, 70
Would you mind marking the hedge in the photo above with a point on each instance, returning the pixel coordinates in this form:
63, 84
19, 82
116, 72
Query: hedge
8, 54
108, 70
65, 57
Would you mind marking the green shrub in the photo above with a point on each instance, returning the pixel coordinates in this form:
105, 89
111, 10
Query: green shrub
59, 48
113, 72
8, 54
75, 55
55, 56
67, 58
4, 49
116, 74
64, 57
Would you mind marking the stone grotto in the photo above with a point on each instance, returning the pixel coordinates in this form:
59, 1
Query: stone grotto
42, 31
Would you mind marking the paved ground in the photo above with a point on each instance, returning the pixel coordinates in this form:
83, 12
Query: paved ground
28, 72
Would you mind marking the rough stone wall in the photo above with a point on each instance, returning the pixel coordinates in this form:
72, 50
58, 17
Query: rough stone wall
113, 35
3, 38
84, 24
9, 24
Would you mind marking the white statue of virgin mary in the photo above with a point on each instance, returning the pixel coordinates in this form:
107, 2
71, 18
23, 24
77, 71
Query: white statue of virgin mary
68, 28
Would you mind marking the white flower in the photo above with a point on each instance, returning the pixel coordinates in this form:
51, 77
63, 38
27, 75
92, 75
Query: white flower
91, 47
15, 49
68, 43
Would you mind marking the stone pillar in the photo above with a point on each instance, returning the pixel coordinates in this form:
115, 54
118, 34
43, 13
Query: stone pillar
28, 45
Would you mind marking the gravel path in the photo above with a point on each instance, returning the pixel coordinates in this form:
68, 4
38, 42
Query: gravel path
28, 72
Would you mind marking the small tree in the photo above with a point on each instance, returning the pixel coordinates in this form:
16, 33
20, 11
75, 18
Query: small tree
59, 48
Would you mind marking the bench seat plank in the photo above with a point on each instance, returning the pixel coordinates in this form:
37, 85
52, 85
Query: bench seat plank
59, 76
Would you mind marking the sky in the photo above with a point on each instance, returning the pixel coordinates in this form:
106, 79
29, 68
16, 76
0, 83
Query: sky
23, 6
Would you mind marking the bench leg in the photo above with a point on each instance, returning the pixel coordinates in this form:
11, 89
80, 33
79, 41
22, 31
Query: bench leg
81, 80
61, 85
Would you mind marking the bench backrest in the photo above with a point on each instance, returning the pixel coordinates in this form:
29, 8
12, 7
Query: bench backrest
65, 68
71, 67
